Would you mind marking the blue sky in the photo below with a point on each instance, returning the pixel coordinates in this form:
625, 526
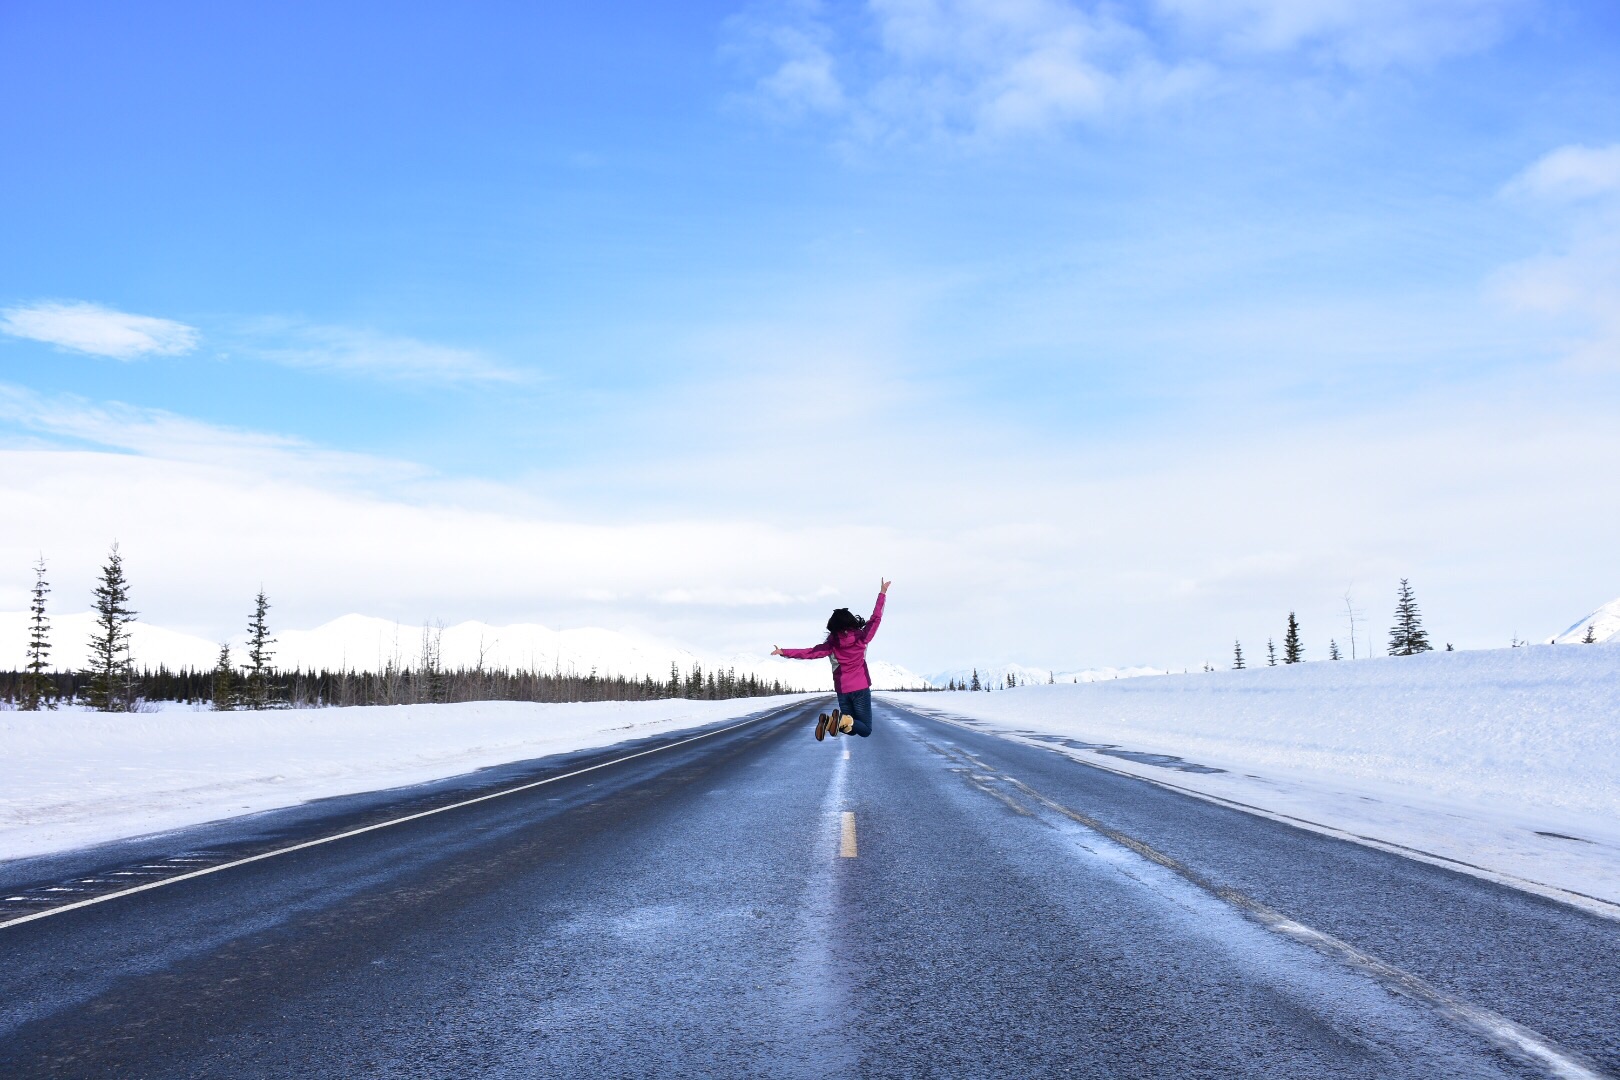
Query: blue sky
1113, 332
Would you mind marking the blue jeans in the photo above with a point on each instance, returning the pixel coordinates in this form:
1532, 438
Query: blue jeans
857, 704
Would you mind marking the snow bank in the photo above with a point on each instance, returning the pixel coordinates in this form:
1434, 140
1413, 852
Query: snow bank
1474, 756
72, 778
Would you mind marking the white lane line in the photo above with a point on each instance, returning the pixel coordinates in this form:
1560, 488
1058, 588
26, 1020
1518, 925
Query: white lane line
379, 825
846, 753
846, 841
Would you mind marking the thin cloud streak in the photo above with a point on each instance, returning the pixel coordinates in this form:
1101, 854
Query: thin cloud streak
167, 437
1357, 34
94, 330
369, 354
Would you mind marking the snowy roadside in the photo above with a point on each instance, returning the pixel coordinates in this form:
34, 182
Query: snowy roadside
68, 778
1508, 760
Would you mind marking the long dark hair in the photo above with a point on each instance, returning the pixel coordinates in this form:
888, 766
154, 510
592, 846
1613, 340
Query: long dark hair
844, 619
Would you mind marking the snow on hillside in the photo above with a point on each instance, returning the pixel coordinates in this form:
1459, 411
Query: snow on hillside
71, 778
364, 643
1605, 624
1495, 758
995, 675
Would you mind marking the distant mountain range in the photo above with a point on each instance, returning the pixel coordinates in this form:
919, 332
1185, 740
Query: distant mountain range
363, 643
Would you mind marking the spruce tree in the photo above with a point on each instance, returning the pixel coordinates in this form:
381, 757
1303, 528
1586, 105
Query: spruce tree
224, 681
257, 694
39, 645
1407, 637
1237, 656
1333, 650
111, 673
1271, 653
975, 685
1293, 651
1591, 634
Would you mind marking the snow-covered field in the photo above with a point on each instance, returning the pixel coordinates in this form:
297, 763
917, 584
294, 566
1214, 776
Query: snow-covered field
1472, 756
72, 778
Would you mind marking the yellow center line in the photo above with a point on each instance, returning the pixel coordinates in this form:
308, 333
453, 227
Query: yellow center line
846, 843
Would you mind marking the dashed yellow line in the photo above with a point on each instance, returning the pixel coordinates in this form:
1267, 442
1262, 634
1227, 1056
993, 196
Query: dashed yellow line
846, 843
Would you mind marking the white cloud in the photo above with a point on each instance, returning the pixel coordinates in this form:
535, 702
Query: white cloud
164, 436
1571, 173
1363, 34
1578, 283
954, 68
996, 68
368, 353
99, 331
794, 48
1152, 554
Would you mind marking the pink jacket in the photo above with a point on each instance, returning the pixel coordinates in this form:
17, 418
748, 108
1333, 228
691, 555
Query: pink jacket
848, 651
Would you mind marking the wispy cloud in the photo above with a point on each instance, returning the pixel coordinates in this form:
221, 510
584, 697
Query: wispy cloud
165, 436
1579, 281
983, 69
1570, 173
790, 48
100, 331
368, 353
951, 68
1360, 34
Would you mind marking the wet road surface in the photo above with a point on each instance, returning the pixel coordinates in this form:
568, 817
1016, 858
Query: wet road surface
932, 902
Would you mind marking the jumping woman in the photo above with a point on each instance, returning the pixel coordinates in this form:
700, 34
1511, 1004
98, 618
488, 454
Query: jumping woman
847, 637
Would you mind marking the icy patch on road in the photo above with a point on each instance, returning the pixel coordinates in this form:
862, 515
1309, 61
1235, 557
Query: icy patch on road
1504, 760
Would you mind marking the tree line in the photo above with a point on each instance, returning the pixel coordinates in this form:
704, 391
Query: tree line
111, 682
317, 688
1406, 636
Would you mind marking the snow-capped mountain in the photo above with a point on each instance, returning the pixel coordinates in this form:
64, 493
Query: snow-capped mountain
1605, 624
995, 675
364, 643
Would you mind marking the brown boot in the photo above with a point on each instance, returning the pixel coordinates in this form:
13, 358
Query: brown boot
822, 725
832, 723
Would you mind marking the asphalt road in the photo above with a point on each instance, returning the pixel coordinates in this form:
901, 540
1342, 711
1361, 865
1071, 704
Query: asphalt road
940, 902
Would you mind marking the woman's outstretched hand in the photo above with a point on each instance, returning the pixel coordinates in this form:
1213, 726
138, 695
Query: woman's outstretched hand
776, 650
883, 590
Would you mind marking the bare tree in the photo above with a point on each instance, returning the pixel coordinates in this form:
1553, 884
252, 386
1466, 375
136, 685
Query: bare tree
1352, 614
